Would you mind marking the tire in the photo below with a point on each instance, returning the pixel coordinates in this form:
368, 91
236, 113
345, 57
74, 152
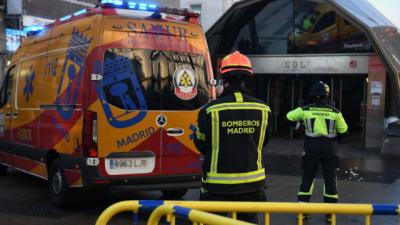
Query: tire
174, 194
58, 185
3, 170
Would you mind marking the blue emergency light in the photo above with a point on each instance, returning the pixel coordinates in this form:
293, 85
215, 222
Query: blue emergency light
107, 2
143, 6
152, 6
80, 12
129, 4
64, 18
132, 5
33, 28
118, 2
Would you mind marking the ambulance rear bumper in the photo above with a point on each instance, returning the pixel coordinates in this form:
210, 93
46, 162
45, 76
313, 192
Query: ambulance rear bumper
162, 182
93, 178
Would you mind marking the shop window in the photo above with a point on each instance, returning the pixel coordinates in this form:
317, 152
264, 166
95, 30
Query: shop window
196, 7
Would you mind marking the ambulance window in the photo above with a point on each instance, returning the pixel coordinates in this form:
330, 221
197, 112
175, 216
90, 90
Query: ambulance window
326, 21
6, 87
186, 87
126, 83
137, 79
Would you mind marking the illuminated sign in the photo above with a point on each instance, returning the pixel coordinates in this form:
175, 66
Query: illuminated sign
14, 38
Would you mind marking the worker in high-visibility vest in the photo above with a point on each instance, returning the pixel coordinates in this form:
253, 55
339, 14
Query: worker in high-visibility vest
324, 125
232, 132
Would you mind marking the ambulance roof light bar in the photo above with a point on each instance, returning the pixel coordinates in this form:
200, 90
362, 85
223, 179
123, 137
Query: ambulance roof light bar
127, 4
190, 16
136, 5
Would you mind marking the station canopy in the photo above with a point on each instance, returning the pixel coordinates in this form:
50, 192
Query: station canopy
279, 27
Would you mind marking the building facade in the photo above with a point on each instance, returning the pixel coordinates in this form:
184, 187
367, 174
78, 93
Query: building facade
210, 10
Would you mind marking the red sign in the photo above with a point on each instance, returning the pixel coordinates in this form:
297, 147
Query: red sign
375, 64
353, 64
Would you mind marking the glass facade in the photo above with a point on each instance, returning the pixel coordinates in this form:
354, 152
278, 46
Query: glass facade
383, 31
267, 32
292, 27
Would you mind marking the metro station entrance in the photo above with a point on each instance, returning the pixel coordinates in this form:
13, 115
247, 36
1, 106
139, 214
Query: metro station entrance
306, 40
286, 92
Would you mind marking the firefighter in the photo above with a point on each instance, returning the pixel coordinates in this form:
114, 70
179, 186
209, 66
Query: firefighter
231, 134
324, 126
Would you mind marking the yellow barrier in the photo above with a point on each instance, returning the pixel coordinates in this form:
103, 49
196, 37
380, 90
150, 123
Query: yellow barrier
191, 214
115, 209
256, 207
287, 207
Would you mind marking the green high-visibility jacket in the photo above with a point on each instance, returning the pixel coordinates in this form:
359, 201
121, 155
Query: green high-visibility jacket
320, 120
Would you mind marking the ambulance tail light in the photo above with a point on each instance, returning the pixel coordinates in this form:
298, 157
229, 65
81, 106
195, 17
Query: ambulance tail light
90, 138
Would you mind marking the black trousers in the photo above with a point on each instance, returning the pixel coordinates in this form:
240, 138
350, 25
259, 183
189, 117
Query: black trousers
310, 169
256, 196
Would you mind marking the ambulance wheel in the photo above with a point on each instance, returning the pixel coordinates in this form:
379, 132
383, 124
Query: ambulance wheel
58, 185
174, 194
3, 170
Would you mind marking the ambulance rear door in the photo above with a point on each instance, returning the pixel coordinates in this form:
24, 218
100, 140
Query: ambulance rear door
129, 139
184, 92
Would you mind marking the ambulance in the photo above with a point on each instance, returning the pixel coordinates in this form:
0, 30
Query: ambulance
108, 96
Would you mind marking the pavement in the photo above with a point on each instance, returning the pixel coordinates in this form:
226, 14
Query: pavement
364, 176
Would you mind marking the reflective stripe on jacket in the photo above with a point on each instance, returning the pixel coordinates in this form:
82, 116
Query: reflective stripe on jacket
231, 134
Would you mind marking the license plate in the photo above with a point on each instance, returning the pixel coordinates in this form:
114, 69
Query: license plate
120, 166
